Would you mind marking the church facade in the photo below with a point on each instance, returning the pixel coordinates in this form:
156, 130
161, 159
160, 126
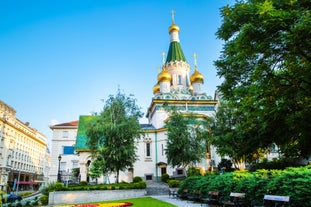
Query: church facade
176, 85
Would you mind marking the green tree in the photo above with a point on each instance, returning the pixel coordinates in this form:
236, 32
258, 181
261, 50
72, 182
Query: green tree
186, 140
231, 138
112, 134
265, 64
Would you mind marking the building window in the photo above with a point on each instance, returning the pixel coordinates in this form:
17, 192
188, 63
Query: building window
148, 149
65, 134
148, 177
162, 149
179, 79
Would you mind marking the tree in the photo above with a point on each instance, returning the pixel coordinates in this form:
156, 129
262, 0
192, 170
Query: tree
230, 137
265, 64
112, 134
186, 140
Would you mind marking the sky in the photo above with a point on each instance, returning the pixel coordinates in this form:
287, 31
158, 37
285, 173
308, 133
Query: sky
60, 59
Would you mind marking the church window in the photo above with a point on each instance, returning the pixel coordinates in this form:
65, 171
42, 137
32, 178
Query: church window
162, 149
179, 79
148, 149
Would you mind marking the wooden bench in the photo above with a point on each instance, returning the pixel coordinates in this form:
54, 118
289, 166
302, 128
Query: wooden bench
183, 195
194, 196
213, 198
276, 200
236, 199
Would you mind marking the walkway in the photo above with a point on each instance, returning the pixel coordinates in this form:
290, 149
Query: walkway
178, 202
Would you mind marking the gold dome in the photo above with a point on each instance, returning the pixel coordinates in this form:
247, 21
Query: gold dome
191, 89
156, 88
196, 77
172, 28
164, 76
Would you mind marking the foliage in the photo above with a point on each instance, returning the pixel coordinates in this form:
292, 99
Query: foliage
75, 173
49, 187
230, 138
165, 178
225, 165
192, 171
112, 134
186, 137
265, 64
121, 186
137, 179
83, 183
278, 164
59, 186
173, 183
293, 182
44, 199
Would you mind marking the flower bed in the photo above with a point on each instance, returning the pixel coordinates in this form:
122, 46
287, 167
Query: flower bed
110, 204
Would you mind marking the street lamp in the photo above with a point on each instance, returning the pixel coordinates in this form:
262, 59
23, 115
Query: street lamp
58, 174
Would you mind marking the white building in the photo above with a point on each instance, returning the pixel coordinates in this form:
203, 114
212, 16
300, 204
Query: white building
178, 86
63, 158
24, 157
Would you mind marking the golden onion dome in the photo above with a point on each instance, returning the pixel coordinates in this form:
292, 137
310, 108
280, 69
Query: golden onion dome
191, 88
172, 28
164, 76
156, 88
196, 77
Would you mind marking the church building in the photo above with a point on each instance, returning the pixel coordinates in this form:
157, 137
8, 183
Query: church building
176, 85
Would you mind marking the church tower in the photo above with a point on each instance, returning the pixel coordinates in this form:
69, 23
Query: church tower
176, 85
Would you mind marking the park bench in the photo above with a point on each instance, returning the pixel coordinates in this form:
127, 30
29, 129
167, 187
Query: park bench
183, 194
172, 193
236, 199
275, 200
213, 198
194, 196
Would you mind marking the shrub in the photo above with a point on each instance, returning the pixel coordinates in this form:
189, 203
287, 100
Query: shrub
83, 183
225, 165
137, 179
293, 182
59, 186
193, 172
173, 183
49, 187
165, 178
44, 199
277, 164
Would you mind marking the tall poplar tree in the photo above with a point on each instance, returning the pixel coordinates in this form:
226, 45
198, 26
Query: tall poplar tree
113, 132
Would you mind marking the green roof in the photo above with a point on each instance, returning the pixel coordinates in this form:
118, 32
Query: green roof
175, 53
81, 141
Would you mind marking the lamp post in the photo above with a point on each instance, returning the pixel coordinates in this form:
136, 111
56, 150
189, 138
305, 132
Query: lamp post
58, 174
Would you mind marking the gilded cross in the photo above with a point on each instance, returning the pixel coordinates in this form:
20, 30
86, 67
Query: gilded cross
195, 60
173, 20
163, 57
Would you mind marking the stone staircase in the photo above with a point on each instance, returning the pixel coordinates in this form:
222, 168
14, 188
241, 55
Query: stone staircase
157, 188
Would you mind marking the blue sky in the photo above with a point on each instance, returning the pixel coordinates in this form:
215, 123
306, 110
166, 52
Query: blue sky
60, 58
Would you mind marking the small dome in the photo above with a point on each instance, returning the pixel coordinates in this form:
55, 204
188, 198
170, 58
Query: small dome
172, 28
156, 88
191, 89
164, 76
196, 77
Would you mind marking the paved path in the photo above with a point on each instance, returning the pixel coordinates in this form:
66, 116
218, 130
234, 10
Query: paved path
178, 202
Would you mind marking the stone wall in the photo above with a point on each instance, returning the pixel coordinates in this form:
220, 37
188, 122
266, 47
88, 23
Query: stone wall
74, 197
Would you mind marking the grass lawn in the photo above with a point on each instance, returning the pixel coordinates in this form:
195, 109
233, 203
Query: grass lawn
141, 202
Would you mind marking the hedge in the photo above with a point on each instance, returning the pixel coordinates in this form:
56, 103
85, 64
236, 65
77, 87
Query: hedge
293, 182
